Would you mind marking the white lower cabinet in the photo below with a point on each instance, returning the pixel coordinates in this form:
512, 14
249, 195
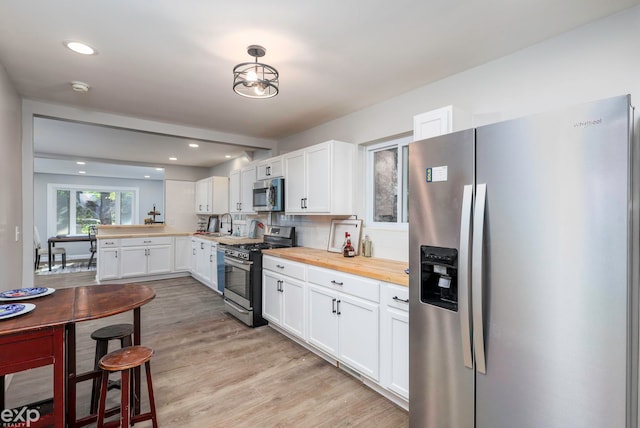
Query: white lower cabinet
344, 318
395, 339
146, 256
204, 256
284, 294
283, 302
358, 322
108, 261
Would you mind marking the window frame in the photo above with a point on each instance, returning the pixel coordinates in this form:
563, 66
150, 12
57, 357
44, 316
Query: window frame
399, 143
52, 209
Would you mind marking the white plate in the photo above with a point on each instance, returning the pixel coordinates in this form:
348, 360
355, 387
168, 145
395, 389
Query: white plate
15, 309
25, 293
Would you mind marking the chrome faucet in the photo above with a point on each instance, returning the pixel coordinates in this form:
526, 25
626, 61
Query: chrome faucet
230, 230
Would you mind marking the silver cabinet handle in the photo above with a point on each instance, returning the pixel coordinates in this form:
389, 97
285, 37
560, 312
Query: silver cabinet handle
147, 242
336, 282
338, 306
202, 245
477, 277
280, 266
302, 203
116, 254
463, 275
397, 299
333, 306
193, 250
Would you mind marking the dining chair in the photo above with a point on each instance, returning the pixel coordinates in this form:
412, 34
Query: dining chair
94, 244
44, 251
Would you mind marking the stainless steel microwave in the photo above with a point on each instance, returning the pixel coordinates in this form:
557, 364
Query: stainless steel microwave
268, 195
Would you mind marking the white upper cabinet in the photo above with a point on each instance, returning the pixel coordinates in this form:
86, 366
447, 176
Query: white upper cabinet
438, 122
270, 168
320, 179
212, 195
241, 189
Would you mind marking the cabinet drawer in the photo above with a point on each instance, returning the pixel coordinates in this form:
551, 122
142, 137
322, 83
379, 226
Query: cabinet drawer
285, 267
156, 240
397, 296
108, 243
356, 285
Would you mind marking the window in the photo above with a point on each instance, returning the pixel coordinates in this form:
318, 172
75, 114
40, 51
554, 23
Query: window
75, 208
387, 196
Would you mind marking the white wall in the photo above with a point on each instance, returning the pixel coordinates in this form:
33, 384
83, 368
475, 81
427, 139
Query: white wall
595, 61
10, 184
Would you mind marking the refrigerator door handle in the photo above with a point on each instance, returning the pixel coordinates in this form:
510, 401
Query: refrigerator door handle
477, 265
463, 275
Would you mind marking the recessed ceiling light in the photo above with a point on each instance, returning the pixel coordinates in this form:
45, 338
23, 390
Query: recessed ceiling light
79, 47
159, 169
172, 158
82, 172
80, 86
194, 145
81, 163
227, 156
147, 176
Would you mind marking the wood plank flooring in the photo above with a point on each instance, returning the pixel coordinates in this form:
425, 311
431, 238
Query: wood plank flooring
210, 370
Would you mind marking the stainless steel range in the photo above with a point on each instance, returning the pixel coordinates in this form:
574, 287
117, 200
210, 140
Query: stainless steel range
243, 274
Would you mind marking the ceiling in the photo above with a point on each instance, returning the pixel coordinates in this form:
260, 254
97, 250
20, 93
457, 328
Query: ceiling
171, 61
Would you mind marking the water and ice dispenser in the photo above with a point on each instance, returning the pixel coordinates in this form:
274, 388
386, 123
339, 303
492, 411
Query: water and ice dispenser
439, 277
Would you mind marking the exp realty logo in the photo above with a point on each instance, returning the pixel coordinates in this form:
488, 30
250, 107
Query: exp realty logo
14, 418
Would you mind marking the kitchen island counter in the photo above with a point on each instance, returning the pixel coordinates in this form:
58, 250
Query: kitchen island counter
381, 269
137, 231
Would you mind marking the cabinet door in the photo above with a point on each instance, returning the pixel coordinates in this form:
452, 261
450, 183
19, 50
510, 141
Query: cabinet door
246, 183
203, 265
397, 352
234, 191
133, 261
271, 297
275, 168
294, 189
203, 196
108, 267
159, 259
293, 304
318, 179
323, 320
182, 254
262, 170
194, 255
432, 123
359, 335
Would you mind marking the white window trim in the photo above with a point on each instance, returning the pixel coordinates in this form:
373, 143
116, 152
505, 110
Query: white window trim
52, 189
370, 150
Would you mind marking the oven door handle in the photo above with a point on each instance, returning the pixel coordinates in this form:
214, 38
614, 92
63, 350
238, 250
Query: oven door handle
236, 307
237, 263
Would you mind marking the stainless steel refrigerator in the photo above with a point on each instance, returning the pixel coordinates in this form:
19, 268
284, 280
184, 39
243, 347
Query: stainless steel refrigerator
524, 273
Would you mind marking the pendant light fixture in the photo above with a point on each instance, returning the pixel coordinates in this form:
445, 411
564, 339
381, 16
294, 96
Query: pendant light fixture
254, 79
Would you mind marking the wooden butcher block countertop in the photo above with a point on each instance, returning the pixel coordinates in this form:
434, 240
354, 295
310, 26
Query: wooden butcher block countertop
370, 267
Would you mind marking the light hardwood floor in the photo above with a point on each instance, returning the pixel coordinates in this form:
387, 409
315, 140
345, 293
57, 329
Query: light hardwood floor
210, 370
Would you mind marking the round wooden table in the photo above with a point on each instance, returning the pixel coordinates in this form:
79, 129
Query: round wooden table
48, 333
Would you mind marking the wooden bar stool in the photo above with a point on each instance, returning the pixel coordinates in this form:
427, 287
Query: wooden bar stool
102, 336
123, 360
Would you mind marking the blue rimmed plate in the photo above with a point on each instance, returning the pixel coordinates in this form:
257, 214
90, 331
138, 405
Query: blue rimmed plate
25, 293
15, 309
